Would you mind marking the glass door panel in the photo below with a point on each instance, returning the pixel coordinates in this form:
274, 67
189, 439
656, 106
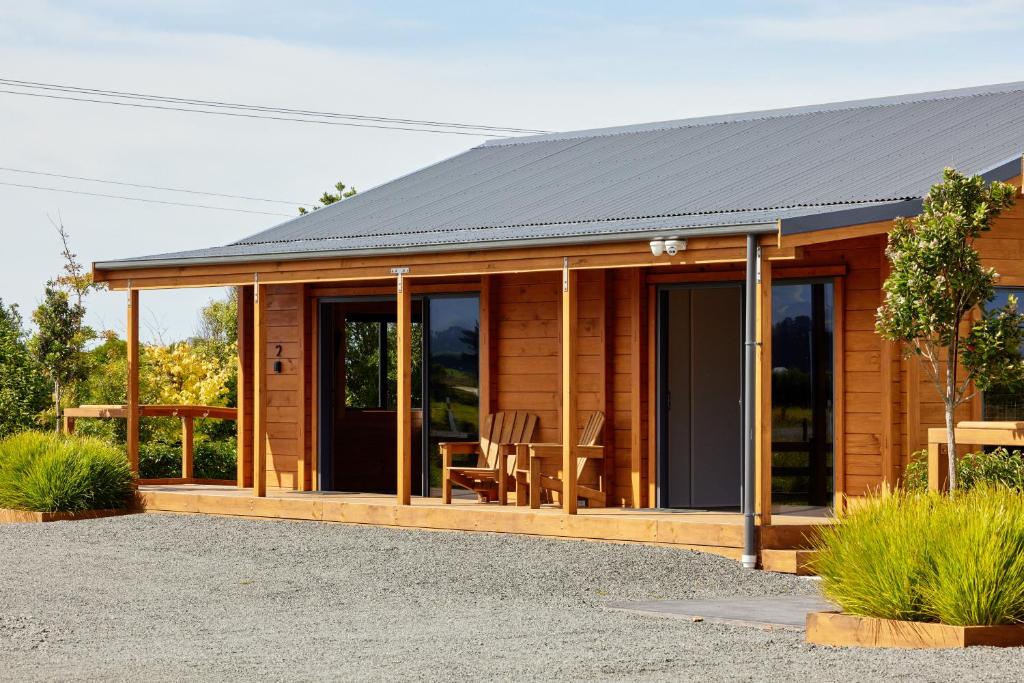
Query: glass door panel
802, 396
452, 352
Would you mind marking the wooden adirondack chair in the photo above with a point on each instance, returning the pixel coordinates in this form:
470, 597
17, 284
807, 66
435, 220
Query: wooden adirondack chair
495, 456
530, 457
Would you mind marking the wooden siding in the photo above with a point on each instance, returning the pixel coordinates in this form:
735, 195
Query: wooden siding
285, 343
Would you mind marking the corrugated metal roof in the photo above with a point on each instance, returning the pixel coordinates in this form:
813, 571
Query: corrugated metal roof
694, 174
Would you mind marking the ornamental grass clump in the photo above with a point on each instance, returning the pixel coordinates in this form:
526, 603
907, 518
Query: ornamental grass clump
53, 473
927, 557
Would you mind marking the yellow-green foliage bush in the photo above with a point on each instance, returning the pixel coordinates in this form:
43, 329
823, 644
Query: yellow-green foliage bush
927, 557
46, 472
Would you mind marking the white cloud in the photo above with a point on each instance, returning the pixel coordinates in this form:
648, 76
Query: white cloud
868, 22
577, 75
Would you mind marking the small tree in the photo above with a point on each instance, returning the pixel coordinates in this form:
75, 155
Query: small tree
59, 342
22, 388
328, 198
936, 285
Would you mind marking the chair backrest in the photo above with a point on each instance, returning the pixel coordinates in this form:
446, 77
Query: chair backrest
510, 426
591, 436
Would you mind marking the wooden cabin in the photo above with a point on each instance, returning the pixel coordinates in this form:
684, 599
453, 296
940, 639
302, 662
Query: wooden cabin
610, 270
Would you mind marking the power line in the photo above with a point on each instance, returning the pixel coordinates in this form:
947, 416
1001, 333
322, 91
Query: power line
152, 187
235, 105
217, 108
244, 116
149, 201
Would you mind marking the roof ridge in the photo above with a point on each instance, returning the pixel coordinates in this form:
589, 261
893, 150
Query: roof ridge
707, 212
766, 114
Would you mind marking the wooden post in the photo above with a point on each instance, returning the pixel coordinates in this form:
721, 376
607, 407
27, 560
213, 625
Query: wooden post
651, 313
187, 445
606, 396
636, 369
403, 408
938, 467
259, 398
570, 314
763, 413
839, 392
314, 390
132, 332
69, 425
302, 466
243, 425
484, 344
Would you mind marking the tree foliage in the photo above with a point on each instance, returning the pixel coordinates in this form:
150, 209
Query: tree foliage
23, 390
937, 283
59, 342
218, 320
343, 192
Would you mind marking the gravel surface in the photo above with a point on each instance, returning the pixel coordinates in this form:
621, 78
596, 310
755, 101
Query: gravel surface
166, 597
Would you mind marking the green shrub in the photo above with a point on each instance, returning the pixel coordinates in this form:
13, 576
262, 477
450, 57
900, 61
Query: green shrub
926, 557
211, 459
996, 467
45, 472
216, 459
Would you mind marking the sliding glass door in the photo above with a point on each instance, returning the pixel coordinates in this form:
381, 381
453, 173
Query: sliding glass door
452, 381
802, 394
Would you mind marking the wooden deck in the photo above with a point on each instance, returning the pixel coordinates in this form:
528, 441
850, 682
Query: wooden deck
716, 532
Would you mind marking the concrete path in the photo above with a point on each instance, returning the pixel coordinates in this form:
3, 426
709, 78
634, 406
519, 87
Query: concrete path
783, 611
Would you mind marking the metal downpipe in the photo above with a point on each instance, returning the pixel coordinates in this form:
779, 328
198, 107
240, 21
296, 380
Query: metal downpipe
749, 558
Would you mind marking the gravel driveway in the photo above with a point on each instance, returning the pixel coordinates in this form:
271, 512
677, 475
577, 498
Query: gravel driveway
166, 597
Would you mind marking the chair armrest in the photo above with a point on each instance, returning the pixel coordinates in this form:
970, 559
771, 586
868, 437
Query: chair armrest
545, 451
549, 451
451, 448
459, 447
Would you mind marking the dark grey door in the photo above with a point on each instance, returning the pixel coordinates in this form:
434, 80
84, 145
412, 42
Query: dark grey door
702, 380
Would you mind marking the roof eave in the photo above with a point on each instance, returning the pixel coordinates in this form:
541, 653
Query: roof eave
677, 231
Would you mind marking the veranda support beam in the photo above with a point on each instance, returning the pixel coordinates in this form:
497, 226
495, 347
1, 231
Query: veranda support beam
636, 366
570, 315
133, 380
259, 403
403, 408
187, 446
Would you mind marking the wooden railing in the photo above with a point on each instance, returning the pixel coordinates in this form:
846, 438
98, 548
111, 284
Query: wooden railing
1010, 434
188, 415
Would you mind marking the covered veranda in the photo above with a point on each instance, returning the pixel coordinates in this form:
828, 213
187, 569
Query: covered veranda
281, 403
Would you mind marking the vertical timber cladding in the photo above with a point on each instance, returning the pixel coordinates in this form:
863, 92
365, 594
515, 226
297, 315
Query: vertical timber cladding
862, 360
285, 377
526, 310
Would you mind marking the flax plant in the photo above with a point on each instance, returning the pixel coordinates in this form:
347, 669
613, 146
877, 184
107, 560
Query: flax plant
926, 557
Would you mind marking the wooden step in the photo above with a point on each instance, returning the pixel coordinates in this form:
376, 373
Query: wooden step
788, 561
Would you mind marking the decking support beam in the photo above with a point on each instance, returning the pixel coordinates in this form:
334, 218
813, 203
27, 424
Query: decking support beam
132, 333
259, 402
570, 314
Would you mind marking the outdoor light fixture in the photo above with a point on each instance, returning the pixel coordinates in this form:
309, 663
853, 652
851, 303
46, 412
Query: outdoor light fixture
670, 246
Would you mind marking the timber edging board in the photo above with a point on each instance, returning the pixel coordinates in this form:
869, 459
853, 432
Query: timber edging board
847, 630
9, 516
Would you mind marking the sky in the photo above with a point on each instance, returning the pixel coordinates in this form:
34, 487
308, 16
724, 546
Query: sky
545, 65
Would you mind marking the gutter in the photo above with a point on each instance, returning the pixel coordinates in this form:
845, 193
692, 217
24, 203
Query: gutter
612, 238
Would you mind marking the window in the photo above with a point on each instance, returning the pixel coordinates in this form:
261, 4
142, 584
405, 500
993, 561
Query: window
1000, 403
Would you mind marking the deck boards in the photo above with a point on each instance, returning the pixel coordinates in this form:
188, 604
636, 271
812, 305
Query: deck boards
716, 532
